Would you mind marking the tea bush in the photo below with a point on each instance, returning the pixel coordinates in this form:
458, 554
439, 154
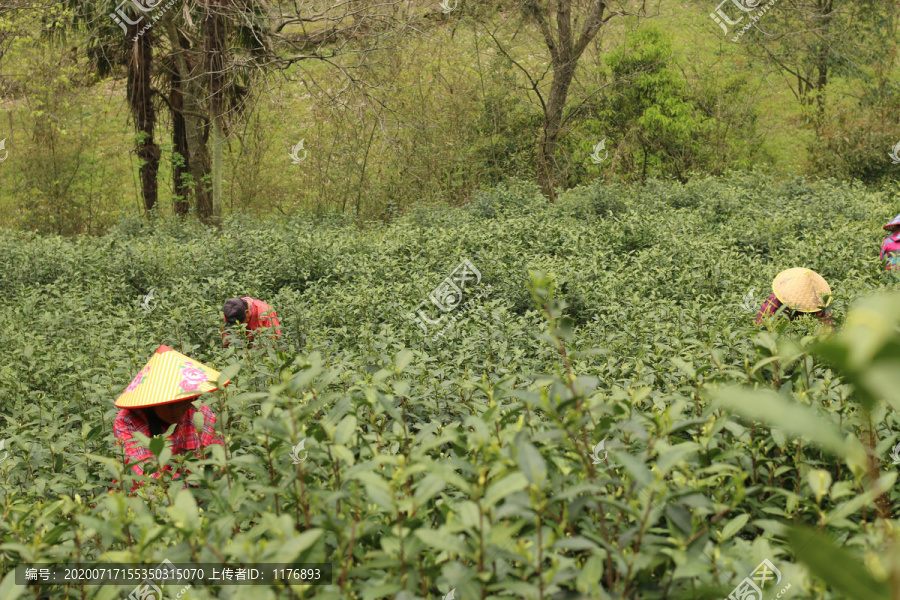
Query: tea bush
464, 458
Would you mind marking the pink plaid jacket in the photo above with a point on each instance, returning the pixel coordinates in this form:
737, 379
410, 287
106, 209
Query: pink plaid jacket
184, 439
772, 304
890, 245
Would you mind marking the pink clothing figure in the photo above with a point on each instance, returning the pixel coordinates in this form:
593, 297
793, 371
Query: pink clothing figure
261, 315
890, 247
185, 438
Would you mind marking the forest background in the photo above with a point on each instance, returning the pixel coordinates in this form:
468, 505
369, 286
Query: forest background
363, 109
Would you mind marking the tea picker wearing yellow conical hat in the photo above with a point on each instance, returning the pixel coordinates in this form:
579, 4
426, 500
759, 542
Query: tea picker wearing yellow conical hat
801, 291
160, 396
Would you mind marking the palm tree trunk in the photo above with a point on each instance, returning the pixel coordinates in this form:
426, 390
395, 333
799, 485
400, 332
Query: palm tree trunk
139, 94
214, 59
181, 162
196, 127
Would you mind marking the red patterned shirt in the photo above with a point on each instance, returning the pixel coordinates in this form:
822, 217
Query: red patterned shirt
261, 315
772, 304
889, 248
184, 439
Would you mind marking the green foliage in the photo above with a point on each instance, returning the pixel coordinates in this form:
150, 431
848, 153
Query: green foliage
452, 115
471, 462
512, 198
663, 126
507, 127
52, 171
855, 144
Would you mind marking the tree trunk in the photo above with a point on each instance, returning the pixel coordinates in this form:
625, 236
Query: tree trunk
559, 91
139, 95
180, 162
196, 126
214, 62
826, 8
218, 162
565, 50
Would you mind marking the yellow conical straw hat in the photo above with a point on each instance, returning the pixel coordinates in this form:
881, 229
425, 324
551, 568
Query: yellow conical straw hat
801, 289
167, 377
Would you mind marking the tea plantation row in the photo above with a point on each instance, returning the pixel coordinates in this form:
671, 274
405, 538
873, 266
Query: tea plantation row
466, 458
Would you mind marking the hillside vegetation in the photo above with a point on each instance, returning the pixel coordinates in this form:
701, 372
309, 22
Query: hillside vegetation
442, 107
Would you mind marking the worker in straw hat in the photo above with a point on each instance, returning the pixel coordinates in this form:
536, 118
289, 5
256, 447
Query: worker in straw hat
161, 396
890, 247
801, 291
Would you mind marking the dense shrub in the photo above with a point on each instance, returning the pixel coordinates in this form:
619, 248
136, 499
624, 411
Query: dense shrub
597, 199
512, 198
855, 142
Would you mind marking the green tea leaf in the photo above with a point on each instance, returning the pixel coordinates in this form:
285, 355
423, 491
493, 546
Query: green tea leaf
733, 526
531, 462
775, 410
837, 567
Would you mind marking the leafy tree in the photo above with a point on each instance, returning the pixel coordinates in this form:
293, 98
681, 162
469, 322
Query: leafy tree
812, 41
566, 43
662, 125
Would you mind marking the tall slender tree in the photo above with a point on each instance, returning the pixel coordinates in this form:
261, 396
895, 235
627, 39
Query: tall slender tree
189, 71
181, 170
115, 43
812, 41
214, 63
140, 100
208, 56
557, 21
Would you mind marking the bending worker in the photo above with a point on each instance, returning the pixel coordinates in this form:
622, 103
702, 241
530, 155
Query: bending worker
802, 292
160, 396
890, 247
255, 314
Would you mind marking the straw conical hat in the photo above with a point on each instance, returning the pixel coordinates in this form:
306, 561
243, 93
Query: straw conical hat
167, 377
801, 289
894, 223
